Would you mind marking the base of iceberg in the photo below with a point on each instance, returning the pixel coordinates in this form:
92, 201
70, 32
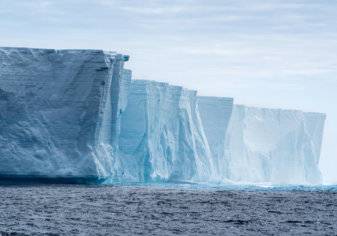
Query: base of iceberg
35, 179
75, 116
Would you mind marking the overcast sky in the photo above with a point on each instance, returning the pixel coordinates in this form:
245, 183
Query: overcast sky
274, 53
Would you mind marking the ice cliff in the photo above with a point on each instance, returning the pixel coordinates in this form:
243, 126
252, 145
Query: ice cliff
262, 145
162, 138
273, 145
59, 111
215, 113
76, 114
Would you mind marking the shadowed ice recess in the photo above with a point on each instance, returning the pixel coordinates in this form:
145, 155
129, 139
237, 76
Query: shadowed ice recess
76, 116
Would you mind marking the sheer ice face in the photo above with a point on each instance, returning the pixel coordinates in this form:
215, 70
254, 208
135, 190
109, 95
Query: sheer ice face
59, 111
215, 113
76, 113
162, 138
273, 145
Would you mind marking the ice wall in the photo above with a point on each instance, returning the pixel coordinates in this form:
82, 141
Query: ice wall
215, 113
78, 114
162, 138
59, 111
274, 146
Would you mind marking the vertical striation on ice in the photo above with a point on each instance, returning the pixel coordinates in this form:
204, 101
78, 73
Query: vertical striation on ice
215, 113
57, 107
274, 145
162, 137
77, 113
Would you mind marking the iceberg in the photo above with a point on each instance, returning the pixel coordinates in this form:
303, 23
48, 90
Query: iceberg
273, 146
59, 112
162, 138
215, 113
78, 115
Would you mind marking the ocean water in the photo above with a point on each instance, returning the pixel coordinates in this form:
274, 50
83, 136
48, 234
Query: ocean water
171, 209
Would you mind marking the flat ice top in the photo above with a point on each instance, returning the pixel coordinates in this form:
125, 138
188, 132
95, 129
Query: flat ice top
214, 98
162, 84
273, 109
49, 50
53, 49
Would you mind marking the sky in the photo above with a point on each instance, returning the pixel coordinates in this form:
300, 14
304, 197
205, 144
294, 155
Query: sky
267, 53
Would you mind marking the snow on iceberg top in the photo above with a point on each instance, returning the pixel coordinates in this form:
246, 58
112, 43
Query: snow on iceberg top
265, 109
154, 83
215, 98
25, 50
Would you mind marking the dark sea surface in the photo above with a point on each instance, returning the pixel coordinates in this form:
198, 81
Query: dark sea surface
166, 210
